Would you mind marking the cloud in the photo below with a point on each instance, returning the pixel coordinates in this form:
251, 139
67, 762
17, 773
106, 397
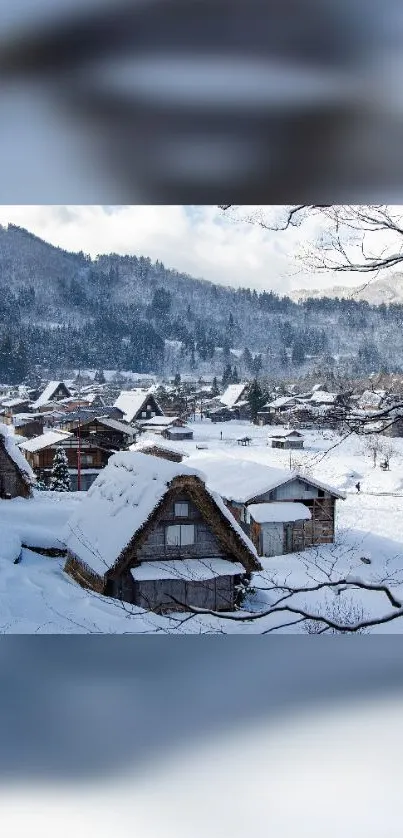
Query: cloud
197, 240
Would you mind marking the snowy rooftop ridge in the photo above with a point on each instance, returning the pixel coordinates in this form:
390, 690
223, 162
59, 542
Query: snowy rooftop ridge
47, 394
44, 440
231, 395
120, 501
14, 452
242, 480
130, 401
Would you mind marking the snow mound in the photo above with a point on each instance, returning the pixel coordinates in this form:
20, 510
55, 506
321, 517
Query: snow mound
10, 545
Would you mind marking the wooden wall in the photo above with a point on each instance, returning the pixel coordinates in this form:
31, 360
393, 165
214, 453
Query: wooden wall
160, 595
11, 482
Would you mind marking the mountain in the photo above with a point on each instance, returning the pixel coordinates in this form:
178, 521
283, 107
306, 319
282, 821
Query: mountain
388, 291
61, 311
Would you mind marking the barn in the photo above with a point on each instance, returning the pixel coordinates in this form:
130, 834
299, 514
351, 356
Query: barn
242, 483
16, 476
150, 533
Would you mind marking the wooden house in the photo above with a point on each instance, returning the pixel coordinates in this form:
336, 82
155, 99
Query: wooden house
242, 483
235, 400
151, 534
16, 476
28, 425
138, 404
41, 450
54, 392
104, 432
286, 439
11, 407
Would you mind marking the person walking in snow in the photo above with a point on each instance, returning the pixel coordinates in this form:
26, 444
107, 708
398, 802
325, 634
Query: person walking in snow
358, 486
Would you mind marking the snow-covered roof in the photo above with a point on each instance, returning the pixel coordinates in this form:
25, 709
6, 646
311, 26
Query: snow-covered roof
158, 421
281, 401
114, 424
278, 513
285, 433
15, 454
321, 397
44, 440
231, 395
14, 402
180, 429
191, 570
243, 480
47, 394
158, 442
120, 501
131, 401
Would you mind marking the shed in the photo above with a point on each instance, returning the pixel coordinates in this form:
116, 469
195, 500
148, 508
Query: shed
286, 440
177, 432
150, 533
277, 528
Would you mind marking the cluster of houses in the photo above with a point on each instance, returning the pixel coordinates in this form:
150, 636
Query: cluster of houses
166, 527
85, 426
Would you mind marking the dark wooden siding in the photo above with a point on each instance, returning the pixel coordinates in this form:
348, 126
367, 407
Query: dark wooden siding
175, 594
11, 483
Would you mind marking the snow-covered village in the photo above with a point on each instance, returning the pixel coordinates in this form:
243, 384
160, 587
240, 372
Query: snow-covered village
219, 491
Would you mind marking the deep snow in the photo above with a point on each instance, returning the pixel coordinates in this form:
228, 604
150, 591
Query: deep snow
37, 596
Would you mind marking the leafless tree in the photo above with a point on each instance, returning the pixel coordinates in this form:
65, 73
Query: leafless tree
364, 239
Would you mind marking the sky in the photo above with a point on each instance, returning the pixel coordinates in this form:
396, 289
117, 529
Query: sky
198, 240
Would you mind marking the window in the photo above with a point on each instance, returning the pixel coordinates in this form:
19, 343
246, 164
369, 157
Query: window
321, 493
152, 414
87, 459
144, 414
180, 535
181, 510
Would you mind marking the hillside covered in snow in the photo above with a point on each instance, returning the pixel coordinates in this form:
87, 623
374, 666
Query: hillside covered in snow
61, 311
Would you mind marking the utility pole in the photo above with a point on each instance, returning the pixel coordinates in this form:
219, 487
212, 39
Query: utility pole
79, 436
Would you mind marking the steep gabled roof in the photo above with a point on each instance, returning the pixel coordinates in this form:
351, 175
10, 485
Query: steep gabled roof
132, 401
128, 497
232, 394
48, 393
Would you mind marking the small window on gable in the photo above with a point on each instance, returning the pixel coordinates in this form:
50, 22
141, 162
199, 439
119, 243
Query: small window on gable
182, 510
321, 493
143, 414
152, 414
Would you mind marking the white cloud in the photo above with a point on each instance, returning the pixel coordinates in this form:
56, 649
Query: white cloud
197, 240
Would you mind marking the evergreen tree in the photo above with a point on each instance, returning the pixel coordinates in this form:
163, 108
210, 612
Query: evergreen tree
298, 353
99, 377
177, 380
60, 478
226, 376
215, 390
256, 399
235, 376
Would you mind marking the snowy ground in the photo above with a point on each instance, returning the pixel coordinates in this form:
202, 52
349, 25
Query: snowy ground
37, 596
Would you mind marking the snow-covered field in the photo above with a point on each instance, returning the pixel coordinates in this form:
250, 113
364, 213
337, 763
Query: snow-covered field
37, 596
